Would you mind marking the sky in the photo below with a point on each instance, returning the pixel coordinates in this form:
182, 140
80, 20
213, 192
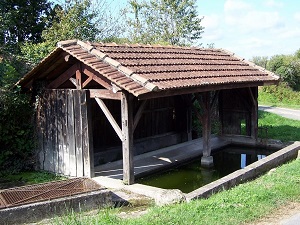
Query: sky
248, 27
251, 28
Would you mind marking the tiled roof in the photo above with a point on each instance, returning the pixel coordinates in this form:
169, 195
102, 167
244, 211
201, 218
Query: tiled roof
141, 69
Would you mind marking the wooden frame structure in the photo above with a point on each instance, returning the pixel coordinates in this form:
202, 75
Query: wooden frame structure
81, 84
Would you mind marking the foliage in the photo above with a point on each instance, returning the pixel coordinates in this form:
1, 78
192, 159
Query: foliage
22, 21
76, 19
16, 133
279, 95
260, 61
174, 22
286, 66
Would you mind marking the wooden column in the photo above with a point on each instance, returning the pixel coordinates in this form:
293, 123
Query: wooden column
207, 159
127, 143
254, 112
206, 125
189, 119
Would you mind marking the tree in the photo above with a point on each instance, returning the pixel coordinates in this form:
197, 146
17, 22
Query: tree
260, 61
287, 67
76, 19
22, 21
174, 22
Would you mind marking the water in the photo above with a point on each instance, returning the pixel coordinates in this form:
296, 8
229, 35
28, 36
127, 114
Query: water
190, 176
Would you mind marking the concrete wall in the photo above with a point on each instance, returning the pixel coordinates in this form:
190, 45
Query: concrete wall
37, 211
253, 170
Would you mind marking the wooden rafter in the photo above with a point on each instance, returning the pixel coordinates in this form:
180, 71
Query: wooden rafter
64, 77
96, 77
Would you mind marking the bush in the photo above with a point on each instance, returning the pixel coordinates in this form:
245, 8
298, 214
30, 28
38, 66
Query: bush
16, 130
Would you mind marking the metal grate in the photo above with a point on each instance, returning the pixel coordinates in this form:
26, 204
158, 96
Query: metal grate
47, 191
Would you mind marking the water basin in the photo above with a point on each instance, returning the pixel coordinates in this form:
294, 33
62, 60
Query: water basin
191, 175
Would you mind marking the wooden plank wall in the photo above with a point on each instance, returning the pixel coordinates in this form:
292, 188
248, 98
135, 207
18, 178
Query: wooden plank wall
235, 108
65, 140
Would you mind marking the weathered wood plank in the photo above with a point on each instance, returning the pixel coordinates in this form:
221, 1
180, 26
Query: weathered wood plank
110, 118
54, 131
87, 145
40, 128
78, 133
59, 115
105, 94
71, 134
47, 132
64, 123
127, 143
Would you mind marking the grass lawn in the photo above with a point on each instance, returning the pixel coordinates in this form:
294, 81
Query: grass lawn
244, 203
279, 128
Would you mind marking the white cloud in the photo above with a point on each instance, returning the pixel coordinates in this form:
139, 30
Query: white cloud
297, 16
273, 3
244, 17
213, 27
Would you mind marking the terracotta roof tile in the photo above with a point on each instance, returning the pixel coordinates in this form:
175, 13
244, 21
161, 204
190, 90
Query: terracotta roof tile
141, 69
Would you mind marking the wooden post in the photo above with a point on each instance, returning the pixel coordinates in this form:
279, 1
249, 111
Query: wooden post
254, 112
207, 159
127, 142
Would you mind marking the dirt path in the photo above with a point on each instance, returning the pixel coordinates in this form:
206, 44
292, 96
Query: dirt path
289, 214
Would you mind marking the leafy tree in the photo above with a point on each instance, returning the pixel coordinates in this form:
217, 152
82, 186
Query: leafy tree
260, 61
22, 21
174, 22
76, 19
287, 67
16, 133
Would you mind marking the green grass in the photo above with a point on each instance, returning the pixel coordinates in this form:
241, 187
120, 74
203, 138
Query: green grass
244, 203
278, 127
26, 178
280, 96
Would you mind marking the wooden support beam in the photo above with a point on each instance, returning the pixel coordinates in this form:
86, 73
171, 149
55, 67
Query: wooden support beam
105, 94
110, 118
63, 77
87, 81
96, 77
139, 114
127, 143
73, 81
79, 78
214, 100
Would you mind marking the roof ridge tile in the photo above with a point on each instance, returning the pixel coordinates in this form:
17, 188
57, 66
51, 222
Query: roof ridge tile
62, 44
